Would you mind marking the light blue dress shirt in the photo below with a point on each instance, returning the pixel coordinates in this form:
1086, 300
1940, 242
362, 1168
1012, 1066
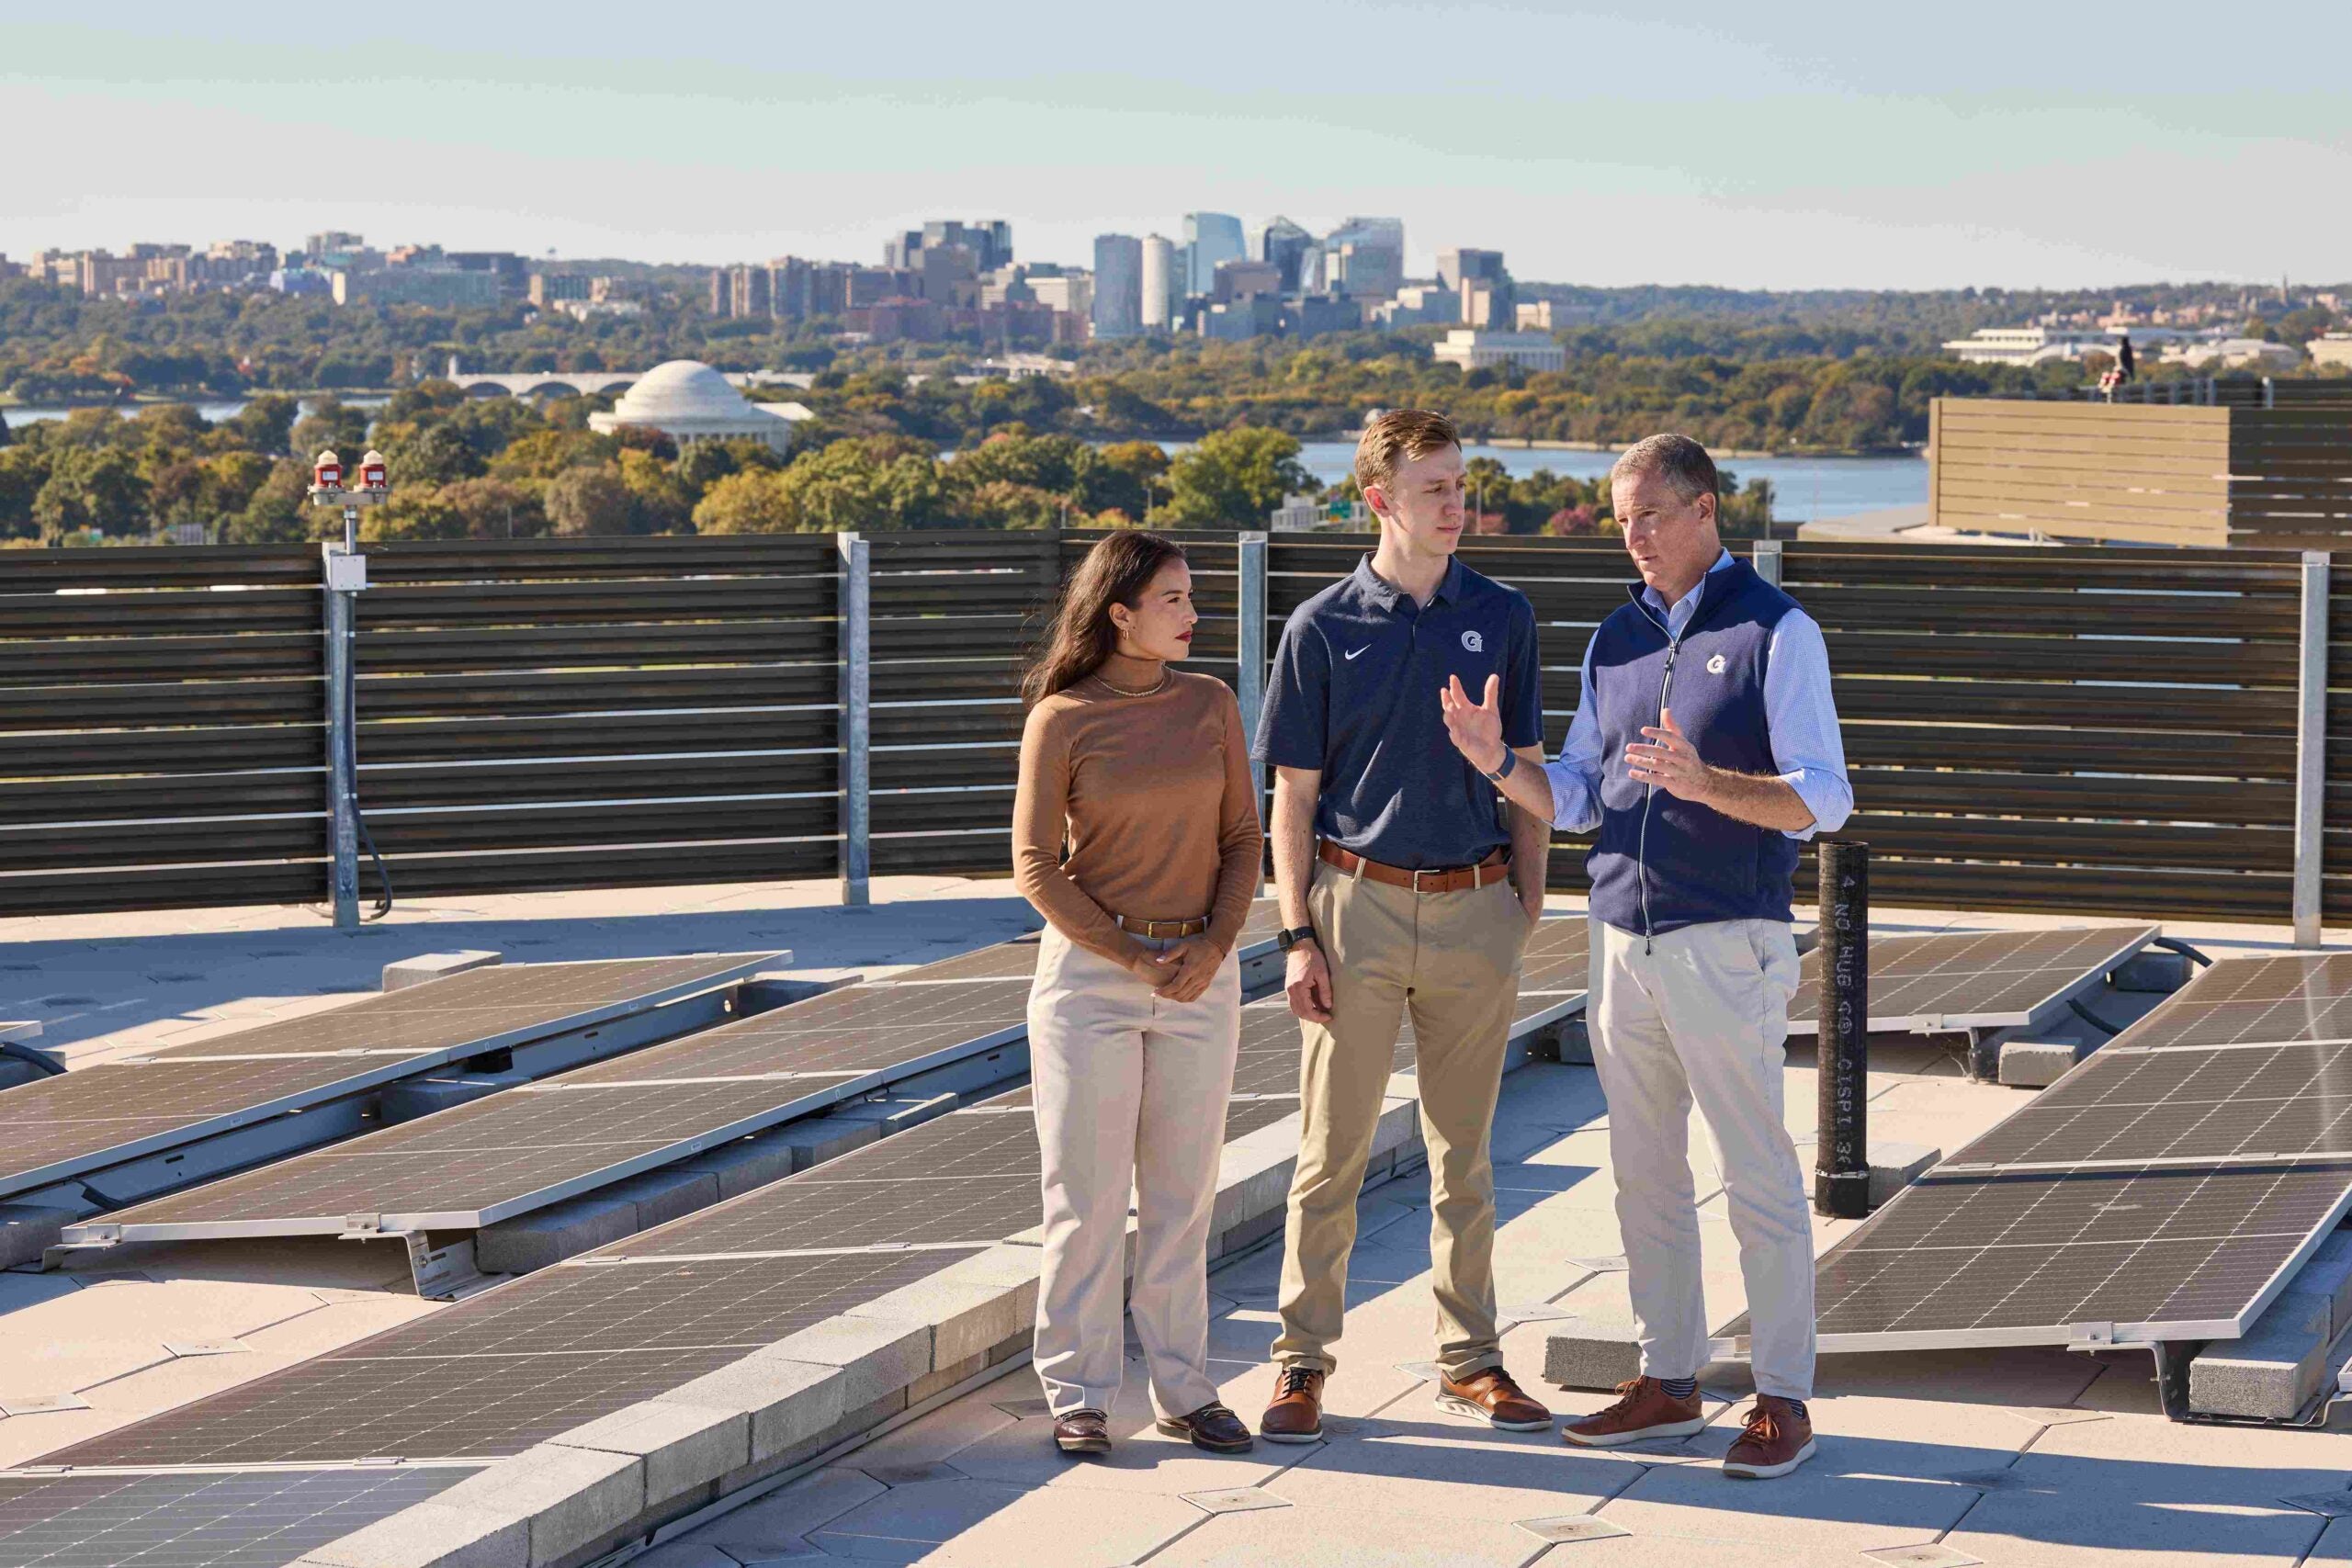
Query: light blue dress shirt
1798, 710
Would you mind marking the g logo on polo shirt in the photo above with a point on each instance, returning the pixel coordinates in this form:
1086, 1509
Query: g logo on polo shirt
1716, 665
1473, 642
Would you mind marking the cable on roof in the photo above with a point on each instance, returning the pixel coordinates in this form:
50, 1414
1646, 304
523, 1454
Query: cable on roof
2174, 944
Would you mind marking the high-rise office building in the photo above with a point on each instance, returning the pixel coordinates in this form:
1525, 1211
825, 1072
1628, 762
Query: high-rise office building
990, 241
1284, 245
1365, 257
1209, 238
1454, 266
1160, 281
1118, 286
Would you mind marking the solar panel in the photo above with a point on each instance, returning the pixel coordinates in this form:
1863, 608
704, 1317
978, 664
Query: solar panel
202, 1519
1974, 980
477, 1164
2183, 1104
971, 1175
494, 1374
2164, 1191
104, 1115
1557, 959
1245, 1116
2127, 1256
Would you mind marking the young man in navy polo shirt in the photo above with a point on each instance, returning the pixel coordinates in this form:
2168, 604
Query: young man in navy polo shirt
1408, 885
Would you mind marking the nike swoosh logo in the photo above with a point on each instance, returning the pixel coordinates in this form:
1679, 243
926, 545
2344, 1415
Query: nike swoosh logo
1366, 648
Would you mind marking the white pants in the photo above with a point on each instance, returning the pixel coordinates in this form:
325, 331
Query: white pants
1703, 1014
1129, 1089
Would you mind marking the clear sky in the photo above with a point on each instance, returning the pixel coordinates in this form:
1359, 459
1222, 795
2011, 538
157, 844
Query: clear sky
1805, 144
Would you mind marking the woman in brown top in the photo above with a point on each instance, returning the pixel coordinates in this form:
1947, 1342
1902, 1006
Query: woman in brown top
1142, 774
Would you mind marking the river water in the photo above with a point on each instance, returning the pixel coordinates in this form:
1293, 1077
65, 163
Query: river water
1803, 488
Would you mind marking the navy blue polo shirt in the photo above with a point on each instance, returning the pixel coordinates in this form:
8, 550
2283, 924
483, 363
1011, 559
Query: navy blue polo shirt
1355, 693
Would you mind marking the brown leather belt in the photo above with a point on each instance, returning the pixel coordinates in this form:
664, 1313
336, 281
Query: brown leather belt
1192, 927
1493, 869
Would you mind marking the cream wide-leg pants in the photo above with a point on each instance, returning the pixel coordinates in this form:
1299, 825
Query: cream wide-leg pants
1702, 1014
1130, 1092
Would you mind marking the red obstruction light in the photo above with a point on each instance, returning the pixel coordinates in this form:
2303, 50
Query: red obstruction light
371, 472
327, 472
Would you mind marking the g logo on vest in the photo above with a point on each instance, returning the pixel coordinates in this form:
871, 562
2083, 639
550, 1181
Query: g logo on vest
1473, 642
1716, 665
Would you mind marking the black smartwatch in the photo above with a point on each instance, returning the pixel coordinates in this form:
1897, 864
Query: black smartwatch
1510, 761
1286, 939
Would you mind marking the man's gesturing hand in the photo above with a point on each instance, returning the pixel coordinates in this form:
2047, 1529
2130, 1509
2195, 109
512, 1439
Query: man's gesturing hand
1670, 761
1307, 980
1475, 728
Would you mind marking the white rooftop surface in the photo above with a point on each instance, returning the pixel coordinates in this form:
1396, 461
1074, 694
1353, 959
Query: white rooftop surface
2040, 1457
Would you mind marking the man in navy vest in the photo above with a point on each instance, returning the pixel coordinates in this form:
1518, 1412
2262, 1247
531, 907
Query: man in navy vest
1704, 747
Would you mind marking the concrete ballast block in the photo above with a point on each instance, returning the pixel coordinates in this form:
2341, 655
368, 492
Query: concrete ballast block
2036, 1064
426, 967
2151, 969
784, 1403
27, 1230
2272, 1372
874, 1358
685, 1445
965, 1319
745, 1164
821, 1138
1591, 1360
566, 1497
663, 1195
549, 1236
1892, 1167
431, 1535
2329, 1274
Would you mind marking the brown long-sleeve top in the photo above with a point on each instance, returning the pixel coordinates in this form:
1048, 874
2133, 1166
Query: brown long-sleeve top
1152, 795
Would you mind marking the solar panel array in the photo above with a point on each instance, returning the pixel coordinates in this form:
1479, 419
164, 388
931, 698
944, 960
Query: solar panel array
1974, 979
495, 1373
2164, 1191
476, 1164
103, 1115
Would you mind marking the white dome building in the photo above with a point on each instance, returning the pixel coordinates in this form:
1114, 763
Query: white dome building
687, 401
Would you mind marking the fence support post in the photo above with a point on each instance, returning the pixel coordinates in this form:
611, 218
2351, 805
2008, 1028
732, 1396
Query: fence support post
853, 607
2310, 750
343, 752
1249, 607
1767, 560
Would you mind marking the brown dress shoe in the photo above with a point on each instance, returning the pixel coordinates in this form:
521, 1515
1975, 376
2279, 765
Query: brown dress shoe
1212, 1427
1774, 1441
1296, 1413
1491, 1396
1082, 1432
1643, 1410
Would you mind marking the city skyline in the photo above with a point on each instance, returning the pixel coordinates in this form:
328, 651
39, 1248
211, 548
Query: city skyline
1777, 152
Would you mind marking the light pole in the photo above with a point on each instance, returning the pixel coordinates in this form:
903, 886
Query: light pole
345, 575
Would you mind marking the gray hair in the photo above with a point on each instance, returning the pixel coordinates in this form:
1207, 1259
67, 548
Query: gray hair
1681, 462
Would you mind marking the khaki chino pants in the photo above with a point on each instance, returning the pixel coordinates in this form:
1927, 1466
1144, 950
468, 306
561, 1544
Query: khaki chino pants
1130, 1092
1700, 1015
1451, 960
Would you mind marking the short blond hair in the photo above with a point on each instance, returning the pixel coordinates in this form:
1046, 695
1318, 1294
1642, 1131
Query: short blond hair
1399, 436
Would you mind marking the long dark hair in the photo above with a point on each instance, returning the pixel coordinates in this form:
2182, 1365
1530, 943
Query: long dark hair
1115, 571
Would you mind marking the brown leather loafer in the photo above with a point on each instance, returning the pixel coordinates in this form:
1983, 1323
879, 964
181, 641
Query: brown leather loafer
1773, 1441
1082, 1432
1491, 1396
1212, 1427
1296, 1413
1643, 1410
